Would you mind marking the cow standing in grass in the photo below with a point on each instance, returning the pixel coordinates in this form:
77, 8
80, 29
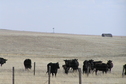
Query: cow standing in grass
110, 65
124, 70
66, 69
101, 67
73, 64
86, 67
2, 61
27, 63
52, 68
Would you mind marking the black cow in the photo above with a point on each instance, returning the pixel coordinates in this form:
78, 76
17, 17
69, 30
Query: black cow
66, 69
73, 64
90, 65
86, 67
101, 67
124, 70
27, 63
110, 65
93, 64
2, 61
53, 68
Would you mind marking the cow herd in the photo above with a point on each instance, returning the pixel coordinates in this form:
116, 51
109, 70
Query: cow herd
95, 66
89, 66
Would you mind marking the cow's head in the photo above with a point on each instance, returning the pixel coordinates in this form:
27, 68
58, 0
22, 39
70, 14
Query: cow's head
57, 64
109, 61
5, 60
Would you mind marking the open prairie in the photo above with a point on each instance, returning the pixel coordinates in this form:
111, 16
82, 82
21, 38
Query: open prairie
42, 48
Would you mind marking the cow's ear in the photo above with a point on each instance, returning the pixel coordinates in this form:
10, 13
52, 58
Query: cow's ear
6, 59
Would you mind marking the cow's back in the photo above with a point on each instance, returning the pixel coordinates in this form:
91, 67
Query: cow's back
101, 67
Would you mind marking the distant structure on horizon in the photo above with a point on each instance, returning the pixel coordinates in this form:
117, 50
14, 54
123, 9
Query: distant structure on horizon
106, 35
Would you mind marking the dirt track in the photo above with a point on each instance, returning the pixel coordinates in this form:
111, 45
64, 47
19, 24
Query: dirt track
43, 48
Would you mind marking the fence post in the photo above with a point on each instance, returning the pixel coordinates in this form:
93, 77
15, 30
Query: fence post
34, 68
49, 74
13, 75
79, 70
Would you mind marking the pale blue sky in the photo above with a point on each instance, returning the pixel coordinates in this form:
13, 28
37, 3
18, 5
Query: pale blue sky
92, 17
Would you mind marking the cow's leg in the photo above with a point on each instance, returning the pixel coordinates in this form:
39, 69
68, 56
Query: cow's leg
89, 70
93, 71
103, 72
55, 74
52, 74
66, 70
47, 69
110, 69
96, 72
86, 70
125, 71
83, 70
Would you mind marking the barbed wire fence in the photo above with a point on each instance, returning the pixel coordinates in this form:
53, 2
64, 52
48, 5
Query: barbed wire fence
18, 75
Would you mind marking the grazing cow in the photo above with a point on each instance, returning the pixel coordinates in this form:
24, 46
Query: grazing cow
66, 69
73, 64
110, 65
53, 68
27, 63
124, 70
86, 67
2, 61
101, 67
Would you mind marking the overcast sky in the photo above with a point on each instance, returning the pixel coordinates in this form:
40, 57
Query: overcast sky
92, 17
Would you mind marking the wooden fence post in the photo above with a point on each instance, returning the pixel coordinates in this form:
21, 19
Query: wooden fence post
49, 74
34, 68
79, 70
13, 75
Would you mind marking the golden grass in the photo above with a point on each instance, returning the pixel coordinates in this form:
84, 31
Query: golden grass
43, 48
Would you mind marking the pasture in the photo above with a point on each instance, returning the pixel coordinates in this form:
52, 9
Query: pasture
42, 48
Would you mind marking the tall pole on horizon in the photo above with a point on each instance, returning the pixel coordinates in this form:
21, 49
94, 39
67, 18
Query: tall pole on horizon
53, 30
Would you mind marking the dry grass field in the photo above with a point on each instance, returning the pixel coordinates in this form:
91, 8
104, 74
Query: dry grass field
43, 48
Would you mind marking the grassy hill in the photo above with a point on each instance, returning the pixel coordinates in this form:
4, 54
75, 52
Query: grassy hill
19, 42
43, 48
